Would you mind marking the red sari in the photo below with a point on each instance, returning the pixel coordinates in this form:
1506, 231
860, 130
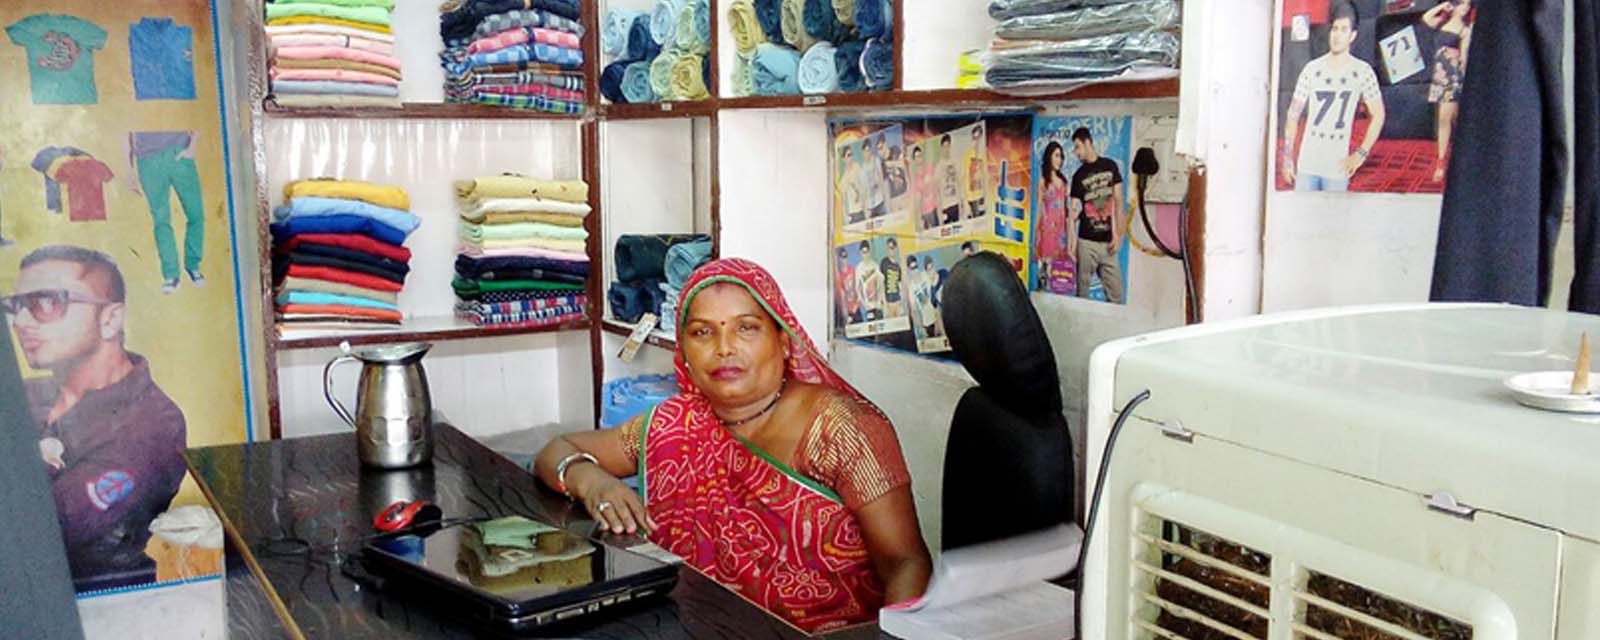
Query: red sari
777, 537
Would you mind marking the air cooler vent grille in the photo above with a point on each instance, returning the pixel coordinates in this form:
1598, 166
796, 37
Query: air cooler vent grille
1335, 609
1199, 586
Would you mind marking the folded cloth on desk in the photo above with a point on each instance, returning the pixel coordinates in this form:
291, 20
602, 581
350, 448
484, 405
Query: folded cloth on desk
877, 64
352, 241
661, 74
644, 257
683, 258
847, 66
347, 255
626, 398
494, 193
873, 18
317, 297
282, 262
775, 70
325, 87
822, 23
745, 26
295, 21
469, 267
845, 11
329, 40
688, 78
342, 310
1088, 22
386, 4
471, 16
332, 274
336, 53
611, 81
793, 14
464, 287
520, 231
817, 73
368, 15
302, 206
1080, 60
378, 194
630, 300
527, 252
522, 18
332, 75
348, 65
636, 83
664, 21
325, 286
281, 231
353, 33
1006, 9
614, 31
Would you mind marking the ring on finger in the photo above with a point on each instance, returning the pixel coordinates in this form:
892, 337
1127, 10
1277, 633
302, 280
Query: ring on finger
603, 506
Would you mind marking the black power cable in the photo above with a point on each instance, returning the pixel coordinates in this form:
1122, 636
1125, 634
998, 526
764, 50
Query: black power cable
1146, 165
1094, 507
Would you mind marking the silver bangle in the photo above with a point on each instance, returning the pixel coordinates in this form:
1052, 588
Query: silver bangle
561, 469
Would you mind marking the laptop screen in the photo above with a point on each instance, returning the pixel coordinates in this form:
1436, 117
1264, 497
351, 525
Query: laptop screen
516, 559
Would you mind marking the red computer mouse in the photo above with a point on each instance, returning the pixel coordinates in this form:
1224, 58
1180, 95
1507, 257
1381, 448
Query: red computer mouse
406, 514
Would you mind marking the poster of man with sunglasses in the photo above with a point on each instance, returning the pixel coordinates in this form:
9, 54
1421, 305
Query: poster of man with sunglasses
111, 439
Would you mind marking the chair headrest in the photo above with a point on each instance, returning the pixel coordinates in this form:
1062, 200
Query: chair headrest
996, 334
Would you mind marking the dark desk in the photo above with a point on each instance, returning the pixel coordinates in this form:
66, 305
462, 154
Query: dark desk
276, 497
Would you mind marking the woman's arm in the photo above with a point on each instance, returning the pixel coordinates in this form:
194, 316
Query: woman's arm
894, 543
593, 484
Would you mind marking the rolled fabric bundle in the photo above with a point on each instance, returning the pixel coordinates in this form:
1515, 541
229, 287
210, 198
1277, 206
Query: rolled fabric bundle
877, 64
794, 25
845, 11
821, 23
705, 73
817, 73
661, 74
631, 299
611, 81
614, 34
664, 21
702, 21
641, 257
688, 36
636, 83
743, 79
745, 26
872, 18
688, 78
641, 45
847, 66
770, 14
683, 258
775, 70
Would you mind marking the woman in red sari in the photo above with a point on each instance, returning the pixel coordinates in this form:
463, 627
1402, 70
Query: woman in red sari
769, 473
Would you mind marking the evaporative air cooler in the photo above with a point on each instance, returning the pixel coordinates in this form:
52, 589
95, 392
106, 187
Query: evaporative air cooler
1348, 473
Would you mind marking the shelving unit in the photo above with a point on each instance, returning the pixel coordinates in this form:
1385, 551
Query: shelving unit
705, 164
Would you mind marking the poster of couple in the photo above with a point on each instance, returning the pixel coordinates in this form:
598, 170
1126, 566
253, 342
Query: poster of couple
1080, 204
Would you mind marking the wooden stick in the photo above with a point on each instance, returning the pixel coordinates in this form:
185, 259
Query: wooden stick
1580, 375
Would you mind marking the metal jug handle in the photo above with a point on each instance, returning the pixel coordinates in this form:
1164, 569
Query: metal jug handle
327, 384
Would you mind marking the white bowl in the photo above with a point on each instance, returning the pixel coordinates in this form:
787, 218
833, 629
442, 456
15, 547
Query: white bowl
1551, 390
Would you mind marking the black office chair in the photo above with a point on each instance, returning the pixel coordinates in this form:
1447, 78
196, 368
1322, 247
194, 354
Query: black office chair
1008, 465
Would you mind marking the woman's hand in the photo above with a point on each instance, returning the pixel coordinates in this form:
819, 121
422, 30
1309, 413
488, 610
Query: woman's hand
610, 501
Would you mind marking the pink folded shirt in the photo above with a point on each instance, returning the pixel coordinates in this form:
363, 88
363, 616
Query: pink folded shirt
513, 37
330, 40
335, 75
339, 53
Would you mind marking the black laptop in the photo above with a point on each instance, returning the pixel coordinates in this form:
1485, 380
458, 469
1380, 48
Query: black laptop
517, 574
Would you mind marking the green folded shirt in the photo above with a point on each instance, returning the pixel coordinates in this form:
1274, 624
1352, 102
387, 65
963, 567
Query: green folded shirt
386, 4
366, 14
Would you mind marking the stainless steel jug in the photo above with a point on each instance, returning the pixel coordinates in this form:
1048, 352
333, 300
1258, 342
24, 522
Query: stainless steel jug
394, 413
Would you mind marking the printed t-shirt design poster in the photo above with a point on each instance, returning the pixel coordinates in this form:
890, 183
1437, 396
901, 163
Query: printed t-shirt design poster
1081, 214
118, 267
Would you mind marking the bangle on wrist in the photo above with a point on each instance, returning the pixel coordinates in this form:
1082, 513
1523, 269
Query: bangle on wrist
1363, 152
561, 470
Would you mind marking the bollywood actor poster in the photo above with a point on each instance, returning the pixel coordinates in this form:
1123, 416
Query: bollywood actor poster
951, 186
1367, 93
117, 275
1080, 235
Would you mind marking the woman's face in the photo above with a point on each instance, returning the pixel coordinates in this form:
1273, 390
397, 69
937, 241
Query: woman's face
1057, 158
736, 353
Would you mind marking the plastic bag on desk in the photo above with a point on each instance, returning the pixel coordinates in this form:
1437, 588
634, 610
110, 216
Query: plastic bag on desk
1007, 9
1089, 22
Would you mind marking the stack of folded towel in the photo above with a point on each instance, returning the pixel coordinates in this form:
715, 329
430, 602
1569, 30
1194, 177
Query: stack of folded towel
513, 53
338, 258
651, 271
1046, 46
332, 53
659, 55
523, 258
787, 47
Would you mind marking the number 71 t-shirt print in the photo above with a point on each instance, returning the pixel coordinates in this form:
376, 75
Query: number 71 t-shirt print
60, 56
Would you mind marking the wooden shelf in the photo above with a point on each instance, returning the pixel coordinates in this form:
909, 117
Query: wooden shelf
955, 97
431, 329
653, 110
418, 111
657, 337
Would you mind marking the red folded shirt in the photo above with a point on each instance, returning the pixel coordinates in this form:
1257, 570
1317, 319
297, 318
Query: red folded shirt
341, 310
340, 275
354, 241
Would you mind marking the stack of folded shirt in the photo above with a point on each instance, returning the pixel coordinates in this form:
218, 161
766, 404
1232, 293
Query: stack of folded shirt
513, 53
523, 258
1048, 46
338, 259
658, 55
332, 53
788, 47
651, 271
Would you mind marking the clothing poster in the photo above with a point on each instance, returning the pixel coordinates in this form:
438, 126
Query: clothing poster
952, 186
1080, 233
1367, 93
123, 307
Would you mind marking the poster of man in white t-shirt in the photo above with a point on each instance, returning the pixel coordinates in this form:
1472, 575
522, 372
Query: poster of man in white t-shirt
1326, 94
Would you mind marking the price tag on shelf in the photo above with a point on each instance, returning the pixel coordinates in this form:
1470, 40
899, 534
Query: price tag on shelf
666, 106
812, 101
641, 331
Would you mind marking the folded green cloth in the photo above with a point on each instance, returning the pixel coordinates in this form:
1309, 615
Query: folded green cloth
465, 287
521, 231
511, 531
387, 4
366, 14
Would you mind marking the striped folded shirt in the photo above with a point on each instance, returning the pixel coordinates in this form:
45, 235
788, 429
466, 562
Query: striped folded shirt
537, 103
532, 52
525, 18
